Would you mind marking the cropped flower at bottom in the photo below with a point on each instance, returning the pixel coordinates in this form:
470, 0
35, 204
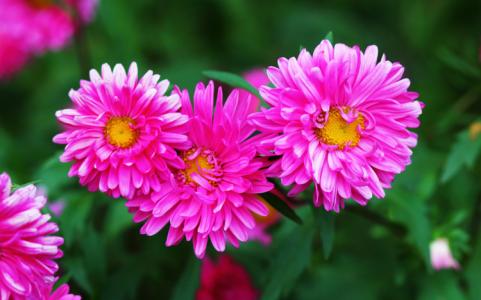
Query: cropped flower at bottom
214, 196
27, 246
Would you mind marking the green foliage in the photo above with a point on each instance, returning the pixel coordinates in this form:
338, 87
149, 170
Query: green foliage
380, 251
463, 153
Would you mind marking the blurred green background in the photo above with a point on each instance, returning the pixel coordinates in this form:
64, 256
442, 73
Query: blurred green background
438, 41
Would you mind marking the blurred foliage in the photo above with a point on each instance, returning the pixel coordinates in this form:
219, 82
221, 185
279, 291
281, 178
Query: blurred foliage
379, 252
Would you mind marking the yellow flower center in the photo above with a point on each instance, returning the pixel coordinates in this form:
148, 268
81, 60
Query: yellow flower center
40, 3
119, 132
339, 132
195, 165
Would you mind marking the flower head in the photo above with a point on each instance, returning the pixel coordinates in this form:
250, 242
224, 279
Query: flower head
340, 119
122, 132
214, 195
27, 247
30, 27
225, 280
441, 257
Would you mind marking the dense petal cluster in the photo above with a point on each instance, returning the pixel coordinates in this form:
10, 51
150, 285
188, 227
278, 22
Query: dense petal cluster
122, 132
214, 194
225, 280
340, 119
27, 246
32, 27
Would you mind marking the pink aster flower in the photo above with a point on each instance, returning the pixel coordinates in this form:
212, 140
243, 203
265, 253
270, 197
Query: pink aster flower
225, 280
340, 119
122, 132
214, 195
441, 257
30, 28
27, 247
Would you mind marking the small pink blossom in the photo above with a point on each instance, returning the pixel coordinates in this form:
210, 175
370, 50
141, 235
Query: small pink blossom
441, 256
122, 132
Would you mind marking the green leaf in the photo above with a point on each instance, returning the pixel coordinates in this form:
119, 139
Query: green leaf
290, 259
188, 282
326, 223
473, 274
74, 217
282, 207
233, 80
54, 174
330, 37
77, 270
441, 286
117, 220
463, 153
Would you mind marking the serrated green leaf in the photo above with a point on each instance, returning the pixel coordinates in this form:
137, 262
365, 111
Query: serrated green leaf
233, 80
282, 207
463, 153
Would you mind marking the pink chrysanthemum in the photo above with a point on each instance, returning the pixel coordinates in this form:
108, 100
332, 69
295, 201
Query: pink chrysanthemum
225, 280
27, 247
214, 195
122, 132
30, 28
339, 118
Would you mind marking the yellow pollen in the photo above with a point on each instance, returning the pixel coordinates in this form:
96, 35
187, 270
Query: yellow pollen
195, 165
119, 132
339, 132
